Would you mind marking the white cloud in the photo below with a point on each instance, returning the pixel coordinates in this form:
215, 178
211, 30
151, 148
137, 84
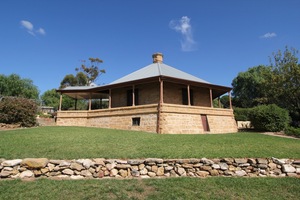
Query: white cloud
268, 35
184, 27
41, 31
30, 28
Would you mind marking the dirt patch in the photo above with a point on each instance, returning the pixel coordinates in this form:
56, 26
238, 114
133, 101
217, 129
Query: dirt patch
280, 134
9, 126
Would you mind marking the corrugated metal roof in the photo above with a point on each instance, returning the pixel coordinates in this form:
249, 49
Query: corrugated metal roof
79, 87
158, 69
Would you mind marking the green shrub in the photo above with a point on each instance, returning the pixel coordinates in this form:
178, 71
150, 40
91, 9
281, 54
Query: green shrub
269, 118
292, 131
242, 114
15, 110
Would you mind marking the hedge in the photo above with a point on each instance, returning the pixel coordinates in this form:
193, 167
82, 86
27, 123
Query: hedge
16, 110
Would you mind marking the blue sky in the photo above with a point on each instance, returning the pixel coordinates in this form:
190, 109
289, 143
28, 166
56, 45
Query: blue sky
213, 40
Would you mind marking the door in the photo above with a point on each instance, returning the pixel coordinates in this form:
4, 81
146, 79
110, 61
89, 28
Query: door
205, 123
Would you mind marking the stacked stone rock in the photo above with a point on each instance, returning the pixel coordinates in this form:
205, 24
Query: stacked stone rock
147, 168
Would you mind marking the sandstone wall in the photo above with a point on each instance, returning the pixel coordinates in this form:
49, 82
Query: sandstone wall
146, 168
187, 120
175, 119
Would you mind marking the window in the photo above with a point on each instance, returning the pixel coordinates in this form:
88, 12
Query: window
136, 121
129, 97
185, 100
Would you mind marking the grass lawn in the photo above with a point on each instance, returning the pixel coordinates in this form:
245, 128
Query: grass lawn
171, 188
79, 142
82, 142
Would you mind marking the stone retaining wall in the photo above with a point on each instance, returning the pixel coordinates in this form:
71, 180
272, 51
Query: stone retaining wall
147, 168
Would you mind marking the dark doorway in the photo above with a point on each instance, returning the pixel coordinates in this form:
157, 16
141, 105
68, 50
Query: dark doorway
205, 123
129, 97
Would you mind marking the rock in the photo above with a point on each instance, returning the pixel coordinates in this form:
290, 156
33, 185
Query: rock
87, 163
68, 172
251, 161
296, 162
223, 166
56, 162
64, 164
272, 166
122, 166
76, 166
198, 165
206, 161
160, 171
35, 163
27, 174
180, 171
62, 176
8, 169
44, 170
145, 176
229, 161
121, 161
37, 172
154, 168
194, 161
101, 174
154, 160
240, 160
11, 163
135, 173
298, 170
262, 161
99, 161
244, 164
202, 173
151, 174
134, 167
143, 171
279, 161
141, 166
110, 166
5, 174
205, 168
182, 161
291, 174
168, 168
287, 168
51, 166
76, 177
187, 166
240, 173
135, 162
86, 173
214, 172
262, 166
123, 173
113, 172
216, 166
228, 173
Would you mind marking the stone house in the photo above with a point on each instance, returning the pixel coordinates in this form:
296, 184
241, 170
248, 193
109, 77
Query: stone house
157, 98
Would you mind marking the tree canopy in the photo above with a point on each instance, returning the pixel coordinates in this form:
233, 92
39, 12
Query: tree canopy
14, 85
86, 74
278, 83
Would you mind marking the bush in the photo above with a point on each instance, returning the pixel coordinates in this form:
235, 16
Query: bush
242, 114
292, 131
269, 118
15, 110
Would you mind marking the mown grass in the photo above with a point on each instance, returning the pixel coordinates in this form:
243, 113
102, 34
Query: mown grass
82, 142
171, 188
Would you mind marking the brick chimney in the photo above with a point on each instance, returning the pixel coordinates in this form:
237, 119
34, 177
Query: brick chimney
157, 58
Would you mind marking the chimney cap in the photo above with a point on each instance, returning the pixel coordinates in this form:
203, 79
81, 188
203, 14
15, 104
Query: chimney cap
157, 57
